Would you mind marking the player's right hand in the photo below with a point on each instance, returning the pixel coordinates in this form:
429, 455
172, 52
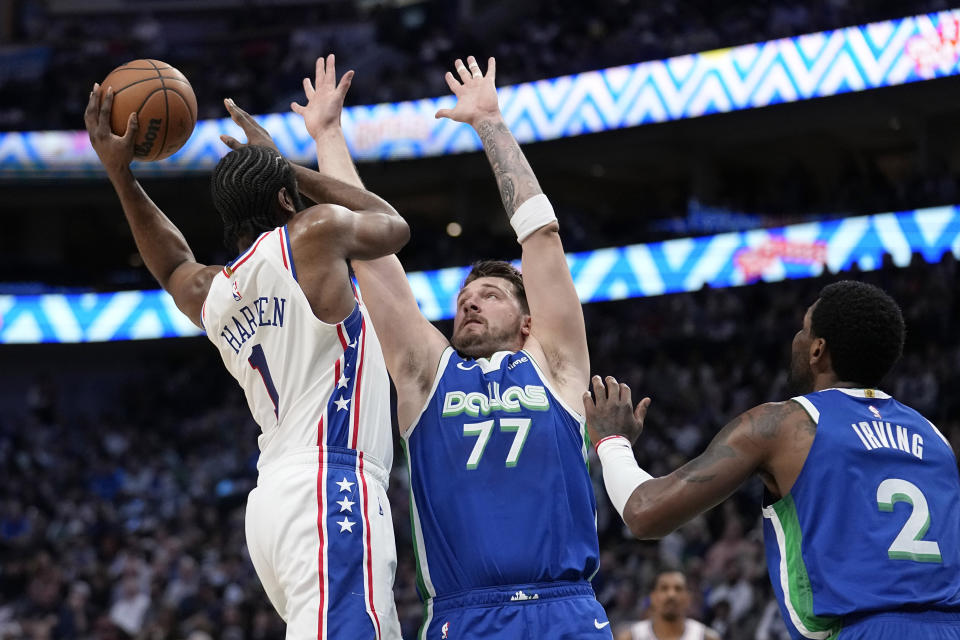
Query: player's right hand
324, 97
115, 152
256, 134
610, 411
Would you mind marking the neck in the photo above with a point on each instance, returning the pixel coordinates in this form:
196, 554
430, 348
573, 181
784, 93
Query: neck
830, 380
667, 629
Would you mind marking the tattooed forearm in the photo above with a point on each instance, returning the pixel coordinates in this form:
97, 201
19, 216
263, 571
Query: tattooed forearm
515, 178
700, 469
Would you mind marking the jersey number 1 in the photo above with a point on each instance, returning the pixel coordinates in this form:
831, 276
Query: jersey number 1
258, 361
909, 543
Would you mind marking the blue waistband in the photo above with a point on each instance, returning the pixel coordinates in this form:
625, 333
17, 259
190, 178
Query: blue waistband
512, 594
910, 616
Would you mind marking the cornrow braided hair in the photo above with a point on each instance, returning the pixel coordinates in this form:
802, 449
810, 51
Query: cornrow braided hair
244, 187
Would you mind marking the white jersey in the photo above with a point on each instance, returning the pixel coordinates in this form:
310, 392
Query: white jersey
308, 383
643, 630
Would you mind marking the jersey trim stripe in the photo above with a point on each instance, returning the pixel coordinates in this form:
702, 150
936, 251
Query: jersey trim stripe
424, 584
794, 580
321, 526
368, 565
357, 382
811, 410
441, 367
233, 266
287, 251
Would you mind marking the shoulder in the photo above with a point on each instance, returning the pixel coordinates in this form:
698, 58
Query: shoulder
768, 420
318, 219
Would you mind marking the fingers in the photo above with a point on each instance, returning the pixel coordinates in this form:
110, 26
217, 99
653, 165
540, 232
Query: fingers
625, 393
588, 403
308, 87
452, 83
461, 70
106, 104
331, 71
345, 82
236, 113
90, 118
296, 107
599, 391
474, 67
443, 113
640, 413
133, 125
230, 141
613, 388
492, 68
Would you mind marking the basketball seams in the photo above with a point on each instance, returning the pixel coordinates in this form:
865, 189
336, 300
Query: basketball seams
166, 112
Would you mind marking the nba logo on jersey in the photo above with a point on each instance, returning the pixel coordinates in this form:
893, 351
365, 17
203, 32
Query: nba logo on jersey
236, 292
874, 411
445, 629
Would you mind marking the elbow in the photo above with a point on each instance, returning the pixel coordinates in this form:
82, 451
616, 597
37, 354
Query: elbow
644, 524
401, 234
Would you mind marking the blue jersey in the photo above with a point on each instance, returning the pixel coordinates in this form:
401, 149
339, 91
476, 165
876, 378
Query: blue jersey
500, 490
872, 523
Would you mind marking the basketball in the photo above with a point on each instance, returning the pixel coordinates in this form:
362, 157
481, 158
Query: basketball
164, 103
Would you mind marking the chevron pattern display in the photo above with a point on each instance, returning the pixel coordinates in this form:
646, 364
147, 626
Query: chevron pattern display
877, 55
686, 264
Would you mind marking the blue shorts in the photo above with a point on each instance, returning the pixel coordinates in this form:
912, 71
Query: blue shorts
920, 625
558, 611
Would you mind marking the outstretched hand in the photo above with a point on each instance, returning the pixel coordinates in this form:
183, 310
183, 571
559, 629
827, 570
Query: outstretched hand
610, 411
324, 97
256, 134
476, 93
115, 152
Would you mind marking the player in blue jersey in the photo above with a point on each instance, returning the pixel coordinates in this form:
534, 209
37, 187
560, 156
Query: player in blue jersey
502, 505
862, 516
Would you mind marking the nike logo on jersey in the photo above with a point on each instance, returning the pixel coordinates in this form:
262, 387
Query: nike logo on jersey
476, 403
600, 625
472, 366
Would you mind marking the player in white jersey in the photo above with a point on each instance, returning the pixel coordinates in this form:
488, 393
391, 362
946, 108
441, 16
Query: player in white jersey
292, 331
669, 605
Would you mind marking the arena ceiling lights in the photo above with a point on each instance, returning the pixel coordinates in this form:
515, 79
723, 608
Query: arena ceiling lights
822, 64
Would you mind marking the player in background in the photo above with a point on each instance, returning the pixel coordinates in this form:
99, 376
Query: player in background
290, 329
862, 505
669, 605
502, 507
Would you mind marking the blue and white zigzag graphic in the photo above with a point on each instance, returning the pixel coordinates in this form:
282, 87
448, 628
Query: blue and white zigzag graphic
686, 264
876, 55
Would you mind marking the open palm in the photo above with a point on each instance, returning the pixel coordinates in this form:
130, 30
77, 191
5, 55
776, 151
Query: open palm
476, 92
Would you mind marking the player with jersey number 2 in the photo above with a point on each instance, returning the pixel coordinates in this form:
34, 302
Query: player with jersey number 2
290, 329
502, 506
862, 505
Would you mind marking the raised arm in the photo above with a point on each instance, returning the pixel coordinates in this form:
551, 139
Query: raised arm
557, 325
411, 345
164, 250
653, 507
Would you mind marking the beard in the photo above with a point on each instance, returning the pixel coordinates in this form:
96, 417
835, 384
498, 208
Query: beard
799, 379
485, 343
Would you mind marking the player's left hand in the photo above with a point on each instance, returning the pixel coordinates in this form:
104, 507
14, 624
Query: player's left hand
115, 152
324, 97
610, 410
476, 93
256, 134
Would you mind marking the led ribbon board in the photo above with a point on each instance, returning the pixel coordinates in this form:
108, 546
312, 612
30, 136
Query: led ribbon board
876, 55
687, 264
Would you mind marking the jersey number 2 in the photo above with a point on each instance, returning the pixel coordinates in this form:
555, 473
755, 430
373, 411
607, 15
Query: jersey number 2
258, 361
909, 543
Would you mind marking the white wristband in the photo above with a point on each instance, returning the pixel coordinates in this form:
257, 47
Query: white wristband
621, 473
534, 213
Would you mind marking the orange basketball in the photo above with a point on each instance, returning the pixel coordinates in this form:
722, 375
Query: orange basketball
164, 101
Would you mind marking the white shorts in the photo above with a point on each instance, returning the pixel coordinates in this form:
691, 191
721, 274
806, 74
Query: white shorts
328, 577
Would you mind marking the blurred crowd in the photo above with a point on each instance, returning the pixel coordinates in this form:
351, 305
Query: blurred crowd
257, 52
121, 512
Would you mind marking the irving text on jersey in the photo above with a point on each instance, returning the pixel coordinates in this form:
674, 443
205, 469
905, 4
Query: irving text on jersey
877, 435
263, 312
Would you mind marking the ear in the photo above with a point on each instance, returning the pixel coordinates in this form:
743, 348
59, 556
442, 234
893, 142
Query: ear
286, 203
819, 356
525, 325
